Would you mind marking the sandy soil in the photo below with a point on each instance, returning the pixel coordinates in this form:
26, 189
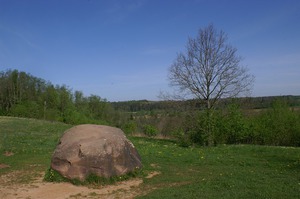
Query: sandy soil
12, 187
2, 166
38, 189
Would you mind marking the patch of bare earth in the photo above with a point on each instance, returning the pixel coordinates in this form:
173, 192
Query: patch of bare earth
8, 153
10, 188
2, 166
152, 174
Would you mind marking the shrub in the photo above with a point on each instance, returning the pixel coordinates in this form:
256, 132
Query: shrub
170, 124
28, 109
72, 116
129, 127
278, 125
52, 114
183, 138
150, 130
232, 127
191, 130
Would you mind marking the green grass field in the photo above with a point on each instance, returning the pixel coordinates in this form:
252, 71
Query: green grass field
235, 171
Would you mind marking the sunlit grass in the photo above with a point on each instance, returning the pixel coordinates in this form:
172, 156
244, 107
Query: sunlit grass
233, 171
31, 142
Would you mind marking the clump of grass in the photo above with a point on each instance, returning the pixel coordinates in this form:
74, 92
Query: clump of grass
92, 179
52, 175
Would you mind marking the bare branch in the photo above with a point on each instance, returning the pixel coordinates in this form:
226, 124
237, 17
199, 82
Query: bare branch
210, 68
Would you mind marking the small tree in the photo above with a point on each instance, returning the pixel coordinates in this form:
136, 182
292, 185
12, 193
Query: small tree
209, 70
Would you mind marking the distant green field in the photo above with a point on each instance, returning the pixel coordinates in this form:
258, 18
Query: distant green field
234, 171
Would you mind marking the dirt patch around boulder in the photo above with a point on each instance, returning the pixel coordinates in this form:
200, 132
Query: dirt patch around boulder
3, 166
39, 189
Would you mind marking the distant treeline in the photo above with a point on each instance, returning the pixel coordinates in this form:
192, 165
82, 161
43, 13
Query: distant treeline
20, 90
244, 103
24, 95
258, 120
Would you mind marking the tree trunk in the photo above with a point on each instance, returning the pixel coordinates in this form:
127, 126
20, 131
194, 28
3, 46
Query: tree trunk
210, 140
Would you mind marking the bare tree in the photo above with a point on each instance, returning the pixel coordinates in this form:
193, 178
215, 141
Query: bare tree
209, 70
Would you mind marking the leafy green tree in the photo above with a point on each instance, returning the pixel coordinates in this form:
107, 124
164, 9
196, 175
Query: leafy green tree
24, 95
29, 109
65, 101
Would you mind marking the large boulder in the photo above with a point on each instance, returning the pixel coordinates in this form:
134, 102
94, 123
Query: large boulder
94, 149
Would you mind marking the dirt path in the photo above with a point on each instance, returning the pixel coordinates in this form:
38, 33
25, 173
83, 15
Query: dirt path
39, 189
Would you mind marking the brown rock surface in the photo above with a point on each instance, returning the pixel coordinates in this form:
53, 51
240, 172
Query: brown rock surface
94, 149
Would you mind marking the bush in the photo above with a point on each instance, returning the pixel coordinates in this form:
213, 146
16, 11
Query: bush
232, 127
52, 114
150, 130
129, 127
183, 138
29, 109
278, 125
72, 116
170, 124
192, 130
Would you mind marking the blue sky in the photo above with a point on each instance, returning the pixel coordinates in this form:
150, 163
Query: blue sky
122, 49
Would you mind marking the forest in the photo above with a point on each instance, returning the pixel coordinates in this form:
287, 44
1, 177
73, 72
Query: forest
249, 120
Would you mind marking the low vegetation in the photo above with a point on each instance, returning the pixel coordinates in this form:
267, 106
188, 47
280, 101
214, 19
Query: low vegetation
224, 171
234, 171
92, 180
263, 121
31, 142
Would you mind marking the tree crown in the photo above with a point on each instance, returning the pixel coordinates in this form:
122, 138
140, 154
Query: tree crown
210, 68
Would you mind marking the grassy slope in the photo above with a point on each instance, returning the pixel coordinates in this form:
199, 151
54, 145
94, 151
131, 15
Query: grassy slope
32, 142
219, 172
